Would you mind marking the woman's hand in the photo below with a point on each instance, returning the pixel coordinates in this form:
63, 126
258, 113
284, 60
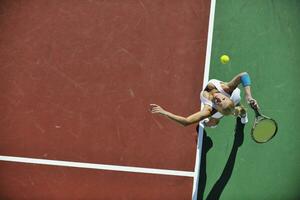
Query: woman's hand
252, 102
157, 109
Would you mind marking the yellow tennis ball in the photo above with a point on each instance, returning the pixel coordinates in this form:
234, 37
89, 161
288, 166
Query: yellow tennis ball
224, 59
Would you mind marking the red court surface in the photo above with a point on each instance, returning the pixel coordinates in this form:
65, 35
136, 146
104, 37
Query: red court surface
43, 182
77, 78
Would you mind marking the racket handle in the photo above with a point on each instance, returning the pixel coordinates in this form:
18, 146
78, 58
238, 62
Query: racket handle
251, 102
254, 108
256, 112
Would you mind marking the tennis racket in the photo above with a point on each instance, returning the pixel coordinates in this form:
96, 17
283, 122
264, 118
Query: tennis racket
264, 128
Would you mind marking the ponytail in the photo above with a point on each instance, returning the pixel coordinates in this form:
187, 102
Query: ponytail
239, 111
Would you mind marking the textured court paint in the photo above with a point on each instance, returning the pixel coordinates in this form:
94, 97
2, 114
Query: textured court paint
77, 78
261, 37
81, 75
36, 182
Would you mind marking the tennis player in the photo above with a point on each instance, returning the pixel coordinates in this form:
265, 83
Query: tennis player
219, 99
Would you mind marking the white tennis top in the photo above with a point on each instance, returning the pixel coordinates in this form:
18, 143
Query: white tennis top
235, 96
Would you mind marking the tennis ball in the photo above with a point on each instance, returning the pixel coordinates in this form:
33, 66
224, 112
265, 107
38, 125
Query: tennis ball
224, 59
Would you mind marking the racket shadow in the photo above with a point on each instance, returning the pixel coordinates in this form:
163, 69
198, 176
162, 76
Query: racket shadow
221, 183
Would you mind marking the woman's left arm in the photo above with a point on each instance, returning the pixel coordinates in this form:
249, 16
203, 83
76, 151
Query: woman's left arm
244, 78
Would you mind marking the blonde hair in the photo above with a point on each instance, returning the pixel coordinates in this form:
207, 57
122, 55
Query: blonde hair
231, 109
239, 111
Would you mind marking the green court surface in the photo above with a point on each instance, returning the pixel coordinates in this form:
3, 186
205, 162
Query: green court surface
262, 38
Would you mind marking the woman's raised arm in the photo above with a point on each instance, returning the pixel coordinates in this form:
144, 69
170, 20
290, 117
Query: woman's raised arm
244, 78
184, 121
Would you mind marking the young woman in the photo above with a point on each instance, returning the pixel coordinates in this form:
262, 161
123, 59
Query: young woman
219, 99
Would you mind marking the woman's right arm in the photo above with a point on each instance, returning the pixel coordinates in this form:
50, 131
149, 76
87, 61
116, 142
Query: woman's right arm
241, 78
184, 121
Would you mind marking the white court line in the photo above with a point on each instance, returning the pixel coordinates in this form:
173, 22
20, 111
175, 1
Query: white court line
206, 76
96, 166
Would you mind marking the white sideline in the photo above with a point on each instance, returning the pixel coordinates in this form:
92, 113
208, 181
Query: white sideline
205, 80
96, 166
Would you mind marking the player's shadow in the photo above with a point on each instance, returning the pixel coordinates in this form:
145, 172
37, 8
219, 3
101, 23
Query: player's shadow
221, 183
207, 144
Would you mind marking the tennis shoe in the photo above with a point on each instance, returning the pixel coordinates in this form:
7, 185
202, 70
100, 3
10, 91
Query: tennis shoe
244, 119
